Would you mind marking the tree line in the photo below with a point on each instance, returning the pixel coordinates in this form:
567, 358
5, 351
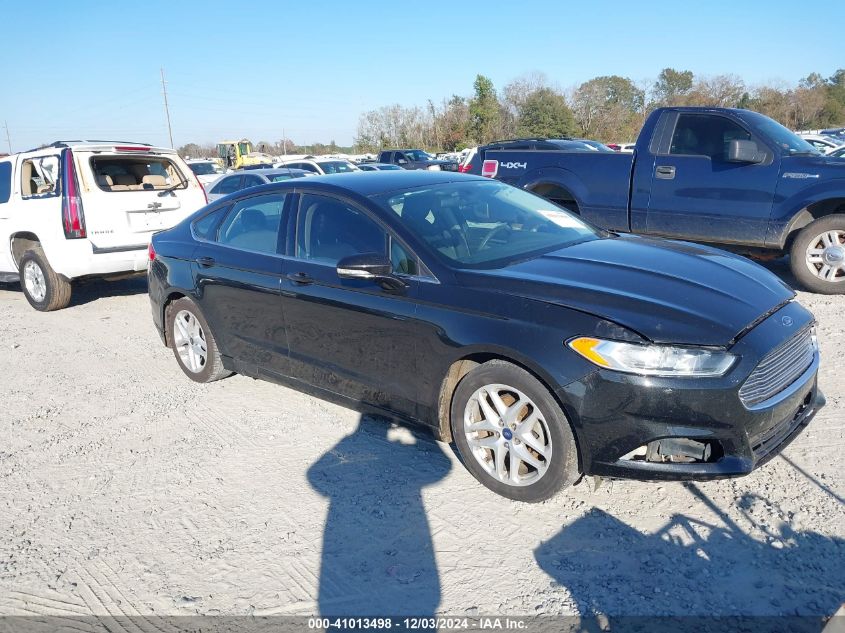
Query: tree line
609, 108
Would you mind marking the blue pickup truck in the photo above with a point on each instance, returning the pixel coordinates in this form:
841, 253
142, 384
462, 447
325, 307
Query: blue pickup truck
728, 177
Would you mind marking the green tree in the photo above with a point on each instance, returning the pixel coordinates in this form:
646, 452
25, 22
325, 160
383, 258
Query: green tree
484, 110
544, 112
672, 85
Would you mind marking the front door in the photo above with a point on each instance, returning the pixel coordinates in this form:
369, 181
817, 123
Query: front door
237, 271
351, 337
696, 194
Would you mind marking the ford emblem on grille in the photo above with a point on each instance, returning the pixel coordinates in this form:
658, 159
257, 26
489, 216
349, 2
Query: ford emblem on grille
787, 321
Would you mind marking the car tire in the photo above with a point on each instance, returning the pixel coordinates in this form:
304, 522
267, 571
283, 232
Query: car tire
813, 251
535, 437
42, 286
193, 343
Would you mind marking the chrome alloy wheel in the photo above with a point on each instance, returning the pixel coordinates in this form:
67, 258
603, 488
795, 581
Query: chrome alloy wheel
189, 339
33, 278
508, 435
825, 256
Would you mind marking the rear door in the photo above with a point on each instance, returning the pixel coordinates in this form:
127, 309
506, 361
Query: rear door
697, 195
237, 269
129, 195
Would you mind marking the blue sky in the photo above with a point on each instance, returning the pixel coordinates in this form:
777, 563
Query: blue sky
78, 68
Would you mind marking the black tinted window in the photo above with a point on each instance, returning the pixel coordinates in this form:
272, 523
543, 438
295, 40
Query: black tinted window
205, 225
5, 182
252, 181
705, 135
253, 224
328, 230
227, 185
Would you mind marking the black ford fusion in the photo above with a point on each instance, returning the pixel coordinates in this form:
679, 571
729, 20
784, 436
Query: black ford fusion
544, 347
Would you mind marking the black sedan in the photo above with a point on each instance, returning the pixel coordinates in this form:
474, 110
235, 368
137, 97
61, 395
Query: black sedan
545, 348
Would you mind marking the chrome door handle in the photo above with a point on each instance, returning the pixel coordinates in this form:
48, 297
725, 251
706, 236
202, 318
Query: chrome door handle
665, 172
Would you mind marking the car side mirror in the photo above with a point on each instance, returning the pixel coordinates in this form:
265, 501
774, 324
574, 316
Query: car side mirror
740, 151
373, 266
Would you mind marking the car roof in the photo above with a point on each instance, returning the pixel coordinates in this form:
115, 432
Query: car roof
370, 183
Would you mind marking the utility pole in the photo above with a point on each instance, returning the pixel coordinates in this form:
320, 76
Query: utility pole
284, 142
166, 109
8, 140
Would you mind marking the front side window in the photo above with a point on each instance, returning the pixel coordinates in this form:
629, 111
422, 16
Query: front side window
328, 230
253, 224
252, 181
484, 224
705, 135
40, 176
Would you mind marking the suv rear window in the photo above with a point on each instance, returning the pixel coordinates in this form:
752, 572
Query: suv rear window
136, 173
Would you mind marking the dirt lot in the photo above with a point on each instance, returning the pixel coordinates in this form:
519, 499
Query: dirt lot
127, 489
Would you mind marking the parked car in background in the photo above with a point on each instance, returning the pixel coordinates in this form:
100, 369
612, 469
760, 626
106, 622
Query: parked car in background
320, 166
625, 148
86, 209
837, 153
543, 346
825, 144
206, 171
465, 166
243, 179
722, 176
415, 159
378, 167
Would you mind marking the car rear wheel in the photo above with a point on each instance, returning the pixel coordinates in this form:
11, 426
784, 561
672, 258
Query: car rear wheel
512, 435
817, 256
192, 342
43, 288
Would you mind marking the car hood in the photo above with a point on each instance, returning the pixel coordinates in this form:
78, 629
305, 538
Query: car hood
667, 291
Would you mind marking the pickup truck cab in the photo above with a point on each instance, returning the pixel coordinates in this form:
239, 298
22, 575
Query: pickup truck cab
415, 159
79, 209
729, 177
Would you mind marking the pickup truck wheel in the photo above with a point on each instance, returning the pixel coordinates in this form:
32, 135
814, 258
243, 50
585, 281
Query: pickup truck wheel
43, 288
817, 256
193, 344
512, 435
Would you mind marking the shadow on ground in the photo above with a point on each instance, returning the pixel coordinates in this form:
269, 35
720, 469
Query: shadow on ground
690, 567
377, 554
89, 290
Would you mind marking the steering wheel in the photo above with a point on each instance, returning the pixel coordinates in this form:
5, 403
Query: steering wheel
489, 236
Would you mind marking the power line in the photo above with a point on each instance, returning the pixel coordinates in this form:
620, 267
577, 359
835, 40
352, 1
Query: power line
166, 109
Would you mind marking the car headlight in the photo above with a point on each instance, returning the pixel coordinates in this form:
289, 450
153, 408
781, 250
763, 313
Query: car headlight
653, 360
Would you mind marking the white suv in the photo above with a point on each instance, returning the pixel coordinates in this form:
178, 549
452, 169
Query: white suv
86, 208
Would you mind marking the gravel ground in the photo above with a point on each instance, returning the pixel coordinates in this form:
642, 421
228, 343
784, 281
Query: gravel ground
126, 489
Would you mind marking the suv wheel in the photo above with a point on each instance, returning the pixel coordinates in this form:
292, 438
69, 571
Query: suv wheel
817, 256
42, 287
512, 435
192, 342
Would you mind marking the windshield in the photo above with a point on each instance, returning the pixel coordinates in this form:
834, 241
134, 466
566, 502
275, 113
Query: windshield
204, 169
788, 142
485, 224
417, 155
337, 167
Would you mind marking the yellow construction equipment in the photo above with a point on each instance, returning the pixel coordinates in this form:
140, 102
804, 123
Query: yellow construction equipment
237, 154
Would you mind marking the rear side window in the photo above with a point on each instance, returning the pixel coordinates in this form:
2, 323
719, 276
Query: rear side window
5, 182
204, 227
253, 224
705, 135
137, 173
227, 185
40, 177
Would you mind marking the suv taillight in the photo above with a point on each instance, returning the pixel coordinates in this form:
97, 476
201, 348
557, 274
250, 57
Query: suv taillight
464, 168
489, 168
73, 217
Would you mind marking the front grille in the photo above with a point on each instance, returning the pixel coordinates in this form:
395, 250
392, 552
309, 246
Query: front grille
779, 369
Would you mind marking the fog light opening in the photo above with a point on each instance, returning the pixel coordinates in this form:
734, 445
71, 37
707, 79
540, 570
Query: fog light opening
677, 450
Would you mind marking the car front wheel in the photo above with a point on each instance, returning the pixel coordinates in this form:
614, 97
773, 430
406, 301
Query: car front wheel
511, 433
193, 343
